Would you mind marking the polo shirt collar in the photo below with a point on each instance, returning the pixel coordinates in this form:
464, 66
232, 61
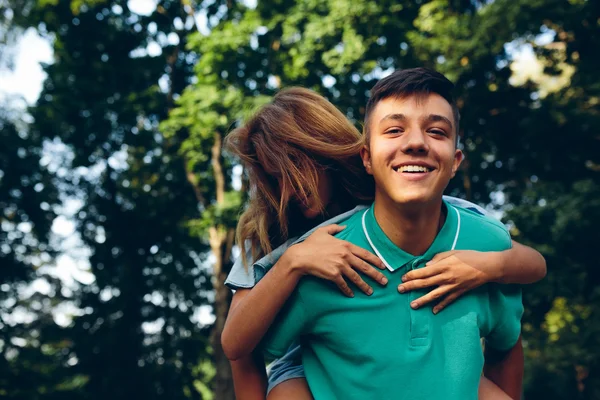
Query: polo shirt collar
394, 257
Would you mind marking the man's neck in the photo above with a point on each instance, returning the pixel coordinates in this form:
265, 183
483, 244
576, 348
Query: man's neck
412, 228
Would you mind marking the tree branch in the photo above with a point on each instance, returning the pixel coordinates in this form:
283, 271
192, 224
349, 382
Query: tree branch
218, 169
191, 177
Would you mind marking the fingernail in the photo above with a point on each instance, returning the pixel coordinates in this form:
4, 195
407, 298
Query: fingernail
370, 291
403, 278
435, 310
384, 280
401, 289
414, 304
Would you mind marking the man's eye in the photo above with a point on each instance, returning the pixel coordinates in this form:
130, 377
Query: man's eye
394, 131
437, 132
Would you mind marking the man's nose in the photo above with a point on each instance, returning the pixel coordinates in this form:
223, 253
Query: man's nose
415, 142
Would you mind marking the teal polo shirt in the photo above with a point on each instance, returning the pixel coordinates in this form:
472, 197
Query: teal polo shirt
377, 347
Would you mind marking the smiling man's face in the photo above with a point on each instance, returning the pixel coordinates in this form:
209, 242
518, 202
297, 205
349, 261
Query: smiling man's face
412, 150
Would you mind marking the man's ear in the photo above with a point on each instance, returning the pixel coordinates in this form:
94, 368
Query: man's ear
365, 154
458, 157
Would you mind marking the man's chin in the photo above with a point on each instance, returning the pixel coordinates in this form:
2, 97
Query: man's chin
414, 199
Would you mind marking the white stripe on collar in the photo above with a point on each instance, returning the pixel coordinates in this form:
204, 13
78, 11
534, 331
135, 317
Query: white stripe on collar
457, 228
364, 226
388, 266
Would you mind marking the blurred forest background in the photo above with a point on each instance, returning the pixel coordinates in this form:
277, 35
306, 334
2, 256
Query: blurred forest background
124, 146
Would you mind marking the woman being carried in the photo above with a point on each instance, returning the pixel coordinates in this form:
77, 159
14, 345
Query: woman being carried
304, 169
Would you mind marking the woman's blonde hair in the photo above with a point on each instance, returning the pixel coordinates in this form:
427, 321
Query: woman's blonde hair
284, 148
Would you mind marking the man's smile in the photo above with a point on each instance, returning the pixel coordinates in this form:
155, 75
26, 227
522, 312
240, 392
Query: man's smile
414, 170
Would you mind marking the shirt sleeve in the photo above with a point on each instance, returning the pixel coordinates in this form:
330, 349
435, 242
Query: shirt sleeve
455, 201
241, 277
502, 321
246, 278
506, 310
289, 325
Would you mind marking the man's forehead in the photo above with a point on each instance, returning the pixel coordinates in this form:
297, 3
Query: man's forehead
425, 103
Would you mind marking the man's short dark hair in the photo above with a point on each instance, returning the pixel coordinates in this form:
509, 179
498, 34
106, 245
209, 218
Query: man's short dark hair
408, 82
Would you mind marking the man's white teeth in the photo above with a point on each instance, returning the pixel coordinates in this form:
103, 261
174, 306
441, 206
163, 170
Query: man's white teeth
413, 168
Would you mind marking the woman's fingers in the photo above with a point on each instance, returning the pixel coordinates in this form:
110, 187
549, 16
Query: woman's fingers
422, 273
341, 259
357, 280
416, 284
440, 256
447, 300
435, 294
333, 229
359, 265
344, 288
366, 256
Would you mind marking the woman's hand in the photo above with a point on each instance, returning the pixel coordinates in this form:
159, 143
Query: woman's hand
452, 273
327, 257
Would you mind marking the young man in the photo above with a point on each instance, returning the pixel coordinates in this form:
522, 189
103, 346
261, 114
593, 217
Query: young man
378, 346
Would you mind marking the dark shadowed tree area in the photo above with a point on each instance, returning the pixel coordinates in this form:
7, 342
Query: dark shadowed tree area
129, 127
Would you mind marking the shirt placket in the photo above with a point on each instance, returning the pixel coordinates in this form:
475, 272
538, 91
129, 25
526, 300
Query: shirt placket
420, 318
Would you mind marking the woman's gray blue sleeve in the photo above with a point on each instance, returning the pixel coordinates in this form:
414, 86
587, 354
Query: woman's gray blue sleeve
246, 278
240, 277
455, 201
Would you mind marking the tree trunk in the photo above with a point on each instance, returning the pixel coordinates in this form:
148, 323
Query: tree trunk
221, 240
223, 383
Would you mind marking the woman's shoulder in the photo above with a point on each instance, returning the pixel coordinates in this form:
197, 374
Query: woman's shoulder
455, 201
340, 219
353, 225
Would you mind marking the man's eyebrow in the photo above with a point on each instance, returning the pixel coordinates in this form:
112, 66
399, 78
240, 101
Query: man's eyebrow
394, 117
438, 118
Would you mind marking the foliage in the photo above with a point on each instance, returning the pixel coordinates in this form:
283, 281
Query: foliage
159, 201
139, 334
27, 200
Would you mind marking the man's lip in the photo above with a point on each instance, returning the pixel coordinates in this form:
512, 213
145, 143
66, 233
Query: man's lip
416, 163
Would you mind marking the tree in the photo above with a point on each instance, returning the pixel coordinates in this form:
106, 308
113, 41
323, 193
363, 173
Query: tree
143, 103
139, 335
27, 201
341, 47
558, 209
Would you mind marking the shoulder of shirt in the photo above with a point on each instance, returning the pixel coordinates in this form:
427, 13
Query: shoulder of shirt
352, 223
475, 222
